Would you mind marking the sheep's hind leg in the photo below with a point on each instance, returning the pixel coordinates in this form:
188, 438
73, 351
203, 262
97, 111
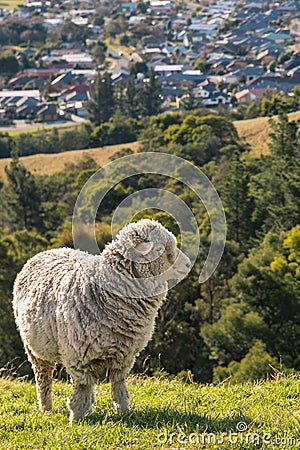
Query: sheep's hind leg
80, 402
119, 390
43, 372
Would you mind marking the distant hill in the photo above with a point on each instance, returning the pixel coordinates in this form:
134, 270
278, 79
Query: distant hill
49, 164
253, 131
256, 132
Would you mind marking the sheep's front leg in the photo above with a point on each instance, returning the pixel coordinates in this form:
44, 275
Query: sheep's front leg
119, 390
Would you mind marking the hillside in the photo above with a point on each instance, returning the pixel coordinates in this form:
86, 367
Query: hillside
253, 131
165, 414
10, 4
256, 132
55, 162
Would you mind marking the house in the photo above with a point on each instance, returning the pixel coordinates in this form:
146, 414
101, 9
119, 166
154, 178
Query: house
267, 56
247, 96
126, 7
168, 68
12, 101
190, 39
121, 75
80, 59
136, 19
271, 81
27, 108
209, 31
247, 74
205, 89
160, 6
170, 93
7, 94
217, 98
294, 74
78, 92
47, 113
292, 63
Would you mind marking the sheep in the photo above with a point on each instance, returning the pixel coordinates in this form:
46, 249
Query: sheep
95, 311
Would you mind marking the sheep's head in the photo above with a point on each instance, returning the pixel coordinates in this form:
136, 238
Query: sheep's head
153, 251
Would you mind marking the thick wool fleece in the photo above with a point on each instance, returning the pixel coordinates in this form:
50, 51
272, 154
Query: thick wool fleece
85, 311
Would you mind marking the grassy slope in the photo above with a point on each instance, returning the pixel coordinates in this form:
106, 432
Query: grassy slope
38, 127
269, 409
11, 4
256, 132
51, 163
253, 131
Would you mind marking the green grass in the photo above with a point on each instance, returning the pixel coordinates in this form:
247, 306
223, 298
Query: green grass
47, 126
269, 411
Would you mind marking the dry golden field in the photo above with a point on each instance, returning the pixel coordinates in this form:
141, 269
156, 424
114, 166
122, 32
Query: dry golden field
256, 132
253, 131
49, 164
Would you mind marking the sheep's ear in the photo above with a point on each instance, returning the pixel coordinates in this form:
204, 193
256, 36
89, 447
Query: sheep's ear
144, 247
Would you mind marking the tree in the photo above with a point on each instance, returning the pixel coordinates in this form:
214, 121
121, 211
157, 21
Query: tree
132, 99
118, 130
116, 26
21, 204
99, 52
256, 365
6, 145
276, 187
190, 101
267, 282
142, 7
231, 337
98, 20
272, 66
70, 32
150, 96
8, 64
37, 33
201, 64
237, 202
101, 104
138, 67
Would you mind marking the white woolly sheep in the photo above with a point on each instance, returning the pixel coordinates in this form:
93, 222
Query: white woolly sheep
90, 311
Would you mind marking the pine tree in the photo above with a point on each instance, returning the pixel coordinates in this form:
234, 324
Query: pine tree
276, 188
132, 97
21, 205
237, 202
101, 105
151, 100
190, 102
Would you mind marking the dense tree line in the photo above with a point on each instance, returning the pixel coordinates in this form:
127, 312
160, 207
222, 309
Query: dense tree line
271, 104
244, 321
117, 130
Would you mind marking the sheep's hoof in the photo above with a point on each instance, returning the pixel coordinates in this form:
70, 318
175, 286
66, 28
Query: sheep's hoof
121, 409
45, 408
78, 418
